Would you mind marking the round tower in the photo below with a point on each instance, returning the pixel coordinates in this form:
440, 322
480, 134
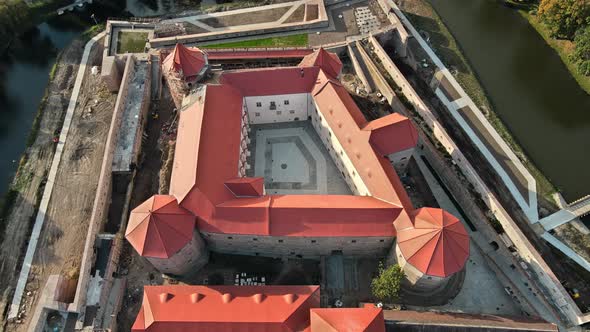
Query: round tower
432, 249
165, 234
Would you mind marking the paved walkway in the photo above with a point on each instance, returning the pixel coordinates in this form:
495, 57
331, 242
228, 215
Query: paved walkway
40, 219
482, 292
528, 204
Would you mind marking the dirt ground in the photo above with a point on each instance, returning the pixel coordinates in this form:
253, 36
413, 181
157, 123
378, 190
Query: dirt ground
345, 23
64, 231
264, 16
34, 170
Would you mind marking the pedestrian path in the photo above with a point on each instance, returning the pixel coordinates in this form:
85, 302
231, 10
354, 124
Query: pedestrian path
497, 276
40, 219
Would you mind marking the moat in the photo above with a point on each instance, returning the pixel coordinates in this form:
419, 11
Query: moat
529, 87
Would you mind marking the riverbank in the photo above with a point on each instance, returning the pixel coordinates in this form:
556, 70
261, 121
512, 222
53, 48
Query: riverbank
425, 18
20, 204
563, 47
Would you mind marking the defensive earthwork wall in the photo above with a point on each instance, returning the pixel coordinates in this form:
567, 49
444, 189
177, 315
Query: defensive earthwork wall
102, 198
545, 277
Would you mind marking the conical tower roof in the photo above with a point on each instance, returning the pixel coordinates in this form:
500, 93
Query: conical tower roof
437, 244
327, 61
159, 227
185, 60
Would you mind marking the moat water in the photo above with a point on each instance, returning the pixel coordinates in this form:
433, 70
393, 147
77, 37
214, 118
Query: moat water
529, 86
24, 70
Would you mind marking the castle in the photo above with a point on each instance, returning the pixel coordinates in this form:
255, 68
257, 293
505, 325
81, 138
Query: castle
214, 204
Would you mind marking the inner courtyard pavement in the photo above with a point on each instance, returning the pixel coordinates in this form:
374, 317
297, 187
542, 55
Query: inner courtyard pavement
292, 159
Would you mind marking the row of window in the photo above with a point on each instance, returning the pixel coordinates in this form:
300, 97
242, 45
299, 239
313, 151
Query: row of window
281, 241
273, 104
278, 113
336, 160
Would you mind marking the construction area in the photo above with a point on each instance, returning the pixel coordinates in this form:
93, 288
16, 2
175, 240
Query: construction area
69, 210
121, 126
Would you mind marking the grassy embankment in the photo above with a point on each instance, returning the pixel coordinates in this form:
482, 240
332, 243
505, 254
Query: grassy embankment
563, 47
447, 48
22, 179
299, 40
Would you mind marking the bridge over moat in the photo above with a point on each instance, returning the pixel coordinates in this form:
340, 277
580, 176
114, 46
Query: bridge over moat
576, 209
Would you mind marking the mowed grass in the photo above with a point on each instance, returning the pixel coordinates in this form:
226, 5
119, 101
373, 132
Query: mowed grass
131, 42
299, 40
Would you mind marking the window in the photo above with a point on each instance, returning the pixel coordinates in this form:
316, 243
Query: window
280, 241
258, 104
254, 239
313, 241
292, 111
273, 105
229, 237
279, 112
381, 240
353, 241
256, 113
286, 102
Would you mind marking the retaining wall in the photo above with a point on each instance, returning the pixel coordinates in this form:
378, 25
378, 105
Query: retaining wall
545, 277
102, 197
215, 36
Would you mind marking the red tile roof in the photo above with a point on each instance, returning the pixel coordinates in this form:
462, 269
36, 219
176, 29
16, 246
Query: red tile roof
188, 61
226, 308
346, 120
392, 133
159, 227
246, 187
331, 215
329, 62
271, 81
437, 244
367, 319
207, 157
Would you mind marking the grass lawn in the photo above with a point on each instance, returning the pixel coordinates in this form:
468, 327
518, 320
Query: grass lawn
131, 42
283, 41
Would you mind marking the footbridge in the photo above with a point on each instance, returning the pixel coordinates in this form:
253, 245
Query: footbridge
576, 209
71, 7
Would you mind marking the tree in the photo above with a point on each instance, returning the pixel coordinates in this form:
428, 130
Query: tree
581, 54
385, 287
564, 17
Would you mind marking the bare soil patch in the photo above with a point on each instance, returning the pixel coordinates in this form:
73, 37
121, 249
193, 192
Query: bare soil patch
257, 17
313, 12
33, 172
63, 235
297, 15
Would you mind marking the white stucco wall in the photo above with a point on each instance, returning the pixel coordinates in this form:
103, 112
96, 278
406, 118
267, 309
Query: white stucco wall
339, 156
297, 108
